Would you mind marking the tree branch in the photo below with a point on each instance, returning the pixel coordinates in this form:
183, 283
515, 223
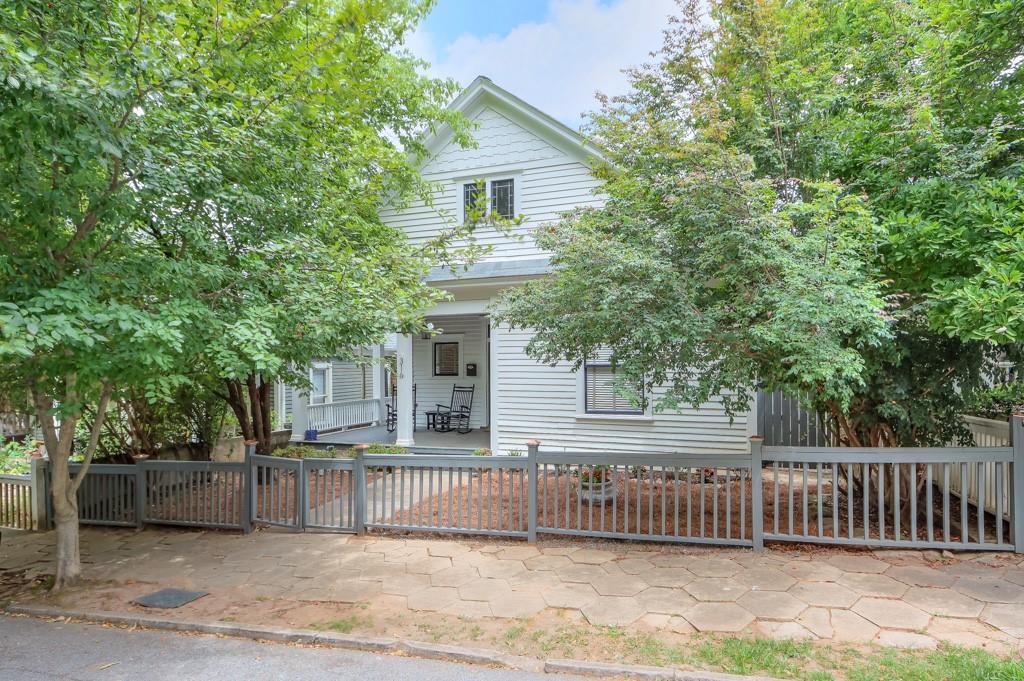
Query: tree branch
94, 438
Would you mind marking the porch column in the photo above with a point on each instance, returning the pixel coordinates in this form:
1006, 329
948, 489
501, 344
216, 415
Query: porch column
377, 381
300, 415
406, 419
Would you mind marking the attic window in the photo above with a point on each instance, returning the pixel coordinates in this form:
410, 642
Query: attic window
472, 194
495, 197
503, 198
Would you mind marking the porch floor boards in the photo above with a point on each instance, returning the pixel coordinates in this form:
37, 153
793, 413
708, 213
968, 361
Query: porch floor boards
424, 439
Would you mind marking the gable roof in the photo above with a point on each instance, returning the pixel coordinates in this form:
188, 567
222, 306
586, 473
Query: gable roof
482, 92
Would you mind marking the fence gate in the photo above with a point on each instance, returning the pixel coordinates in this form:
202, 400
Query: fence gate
329, 498
276, 491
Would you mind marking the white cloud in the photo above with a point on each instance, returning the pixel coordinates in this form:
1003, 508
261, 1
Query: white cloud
557, 65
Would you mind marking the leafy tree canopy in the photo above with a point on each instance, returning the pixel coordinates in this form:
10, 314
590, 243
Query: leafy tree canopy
822, 196
189, 189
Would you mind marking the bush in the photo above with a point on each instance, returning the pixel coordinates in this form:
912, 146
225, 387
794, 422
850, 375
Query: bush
998, 402
307, 452
482, 451
15, 457
381, 448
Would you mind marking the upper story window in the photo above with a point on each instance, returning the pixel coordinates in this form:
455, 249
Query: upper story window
496, 197
503, 199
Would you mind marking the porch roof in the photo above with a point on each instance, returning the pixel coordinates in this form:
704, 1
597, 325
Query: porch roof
492, 269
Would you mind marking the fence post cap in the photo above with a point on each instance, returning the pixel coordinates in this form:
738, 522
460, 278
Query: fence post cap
533, 443
362, 447
757, 438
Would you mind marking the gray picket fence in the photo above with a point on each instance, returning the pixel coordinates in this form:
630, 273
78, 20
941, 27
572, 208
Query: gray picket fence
16, 502
897, 498
886, 497
23, 499
187, 493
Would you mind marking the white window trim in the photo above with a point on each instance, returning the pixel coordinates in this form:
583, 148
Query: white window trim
583, 415
328, 369
449, 338
517, 191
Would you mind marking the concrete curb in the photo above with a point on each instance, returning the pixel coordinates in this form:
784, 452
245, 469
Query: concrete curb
379, 645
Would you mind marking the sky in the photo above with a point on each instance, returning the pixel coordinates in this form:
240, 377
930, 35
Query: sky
555, 54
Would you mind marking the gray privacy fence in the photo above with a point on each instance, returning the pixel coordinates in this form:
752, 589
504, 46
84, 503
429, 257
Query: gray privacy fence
898, 497
783, 421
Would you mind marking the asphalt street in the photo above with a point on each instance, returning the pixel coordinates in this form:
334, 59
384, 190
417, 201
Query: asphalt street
32, 650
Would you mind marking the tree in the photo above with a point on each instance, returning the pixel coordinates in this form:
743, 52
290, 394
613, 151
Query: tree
909, 113
190, 190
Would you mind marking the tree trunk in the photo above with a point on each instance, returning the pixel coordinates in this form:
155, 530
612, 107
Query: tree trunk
64, 489
251, 405
65, 511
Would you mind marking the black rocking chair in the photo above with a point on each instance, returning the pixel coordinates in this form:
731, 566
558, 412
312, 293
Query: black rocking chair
392, 416
391, 419
454, 416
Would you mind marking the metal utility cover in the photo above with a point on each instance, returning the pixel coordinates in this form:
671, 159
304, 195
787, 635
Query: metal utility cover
168, 598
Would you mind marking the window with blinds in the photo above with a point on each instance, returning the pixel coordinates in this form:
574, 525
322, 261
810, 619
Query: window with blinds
600, 394
446, 359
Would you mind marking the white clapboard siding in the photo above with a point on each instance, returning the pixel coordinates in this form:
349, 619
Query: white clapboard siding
348, 381
431, 390
540, 401
547, 183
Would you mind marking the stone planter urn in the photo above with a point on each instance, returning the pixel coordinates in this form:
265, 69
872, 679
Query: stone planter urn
595, 485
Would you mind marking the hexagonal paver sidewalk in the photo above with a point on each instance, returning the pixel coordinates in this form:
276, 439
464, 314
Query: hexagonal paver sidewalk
900, 598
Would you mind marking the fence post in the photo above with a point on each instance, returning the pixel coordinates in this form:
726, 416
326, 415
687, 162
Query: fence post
140, 493
359, 468
532, 446
40, 521
756, 493
1017, 441
248, 489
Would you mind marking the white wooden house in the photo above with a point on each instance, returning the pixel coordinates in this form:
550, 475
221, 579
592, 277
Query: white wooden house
535, 167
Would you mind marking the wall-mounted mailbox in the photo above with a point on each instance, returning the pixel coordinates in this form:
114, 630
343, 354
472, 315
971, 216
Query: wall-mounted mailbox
471, 369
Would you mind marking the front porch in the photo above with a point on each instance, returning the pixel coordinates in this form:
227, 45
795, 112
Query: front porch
427, 440
420, 378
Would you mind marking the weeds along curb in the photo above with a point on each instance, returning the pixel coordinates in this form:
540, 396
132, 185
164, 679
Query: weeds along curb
479, 656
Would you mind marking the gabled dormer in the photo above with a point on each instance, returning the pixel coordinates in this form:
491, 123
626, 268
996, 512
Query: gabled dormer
524, 163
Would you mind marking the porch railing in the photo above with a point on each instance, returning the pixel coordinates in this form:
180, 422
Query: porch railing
337, 415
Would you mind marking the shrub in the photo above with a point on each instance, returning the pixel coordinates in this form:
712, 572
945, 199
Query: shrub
15, 457
307, 452
998, 402
515, 452
381, 448
481, 451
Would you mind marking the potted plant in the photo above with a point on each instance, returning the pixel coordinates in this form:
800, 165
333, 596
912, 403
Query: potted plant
595, 484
